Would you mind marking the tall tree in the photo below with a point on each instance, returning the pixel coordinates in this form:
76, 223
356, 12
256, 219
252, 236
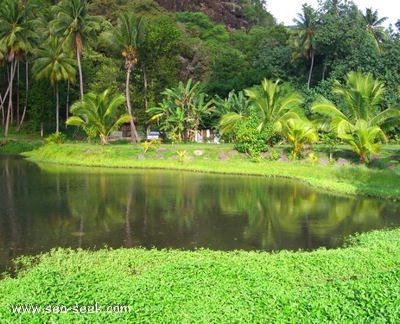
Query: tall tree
359, 121
303, 37
374, 26
127, 36
17, 37
53, 63
73, 22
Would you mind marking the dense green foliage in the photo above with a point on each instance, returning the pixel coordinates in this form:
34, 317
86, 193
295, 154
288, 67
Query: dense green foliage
359, 282
156, 49
359, 121
98, 115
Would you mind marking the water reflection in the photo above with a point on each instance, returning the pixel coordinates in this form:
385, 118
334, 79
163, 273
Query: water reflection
49, 206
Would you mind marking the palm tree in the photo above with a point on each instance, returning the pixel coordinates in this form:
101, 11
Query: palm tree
127, 36
17, 38
53, 63
73, 22
299, 132
303, 37
231, 110
275, 104
360, 122
374, 26
182, 109
97, 113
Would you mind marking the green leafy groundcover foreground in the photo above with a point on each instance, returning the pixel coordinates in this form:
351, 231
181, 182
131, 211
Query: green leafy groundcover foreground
360, 283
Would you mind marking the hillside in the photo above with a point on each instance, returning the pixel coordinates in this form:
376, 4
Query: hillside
232, 13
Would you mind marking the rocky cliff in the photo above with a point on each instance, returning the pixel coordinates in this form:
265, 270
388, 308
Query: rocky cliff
229, 12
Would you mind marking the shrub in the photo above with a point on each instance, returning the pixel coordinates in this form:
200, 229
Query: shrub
249, 139
274, 155
151, 145
55, 138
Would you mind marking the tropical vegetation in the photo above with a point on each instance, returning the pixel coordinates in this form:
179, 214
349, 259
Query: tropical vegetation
167, 55
98, 115
359, 119
357, 282
268, 90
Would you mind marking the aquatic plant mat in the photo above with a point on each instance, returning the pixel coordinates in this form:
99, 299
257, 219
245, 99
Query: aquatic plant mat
359, 282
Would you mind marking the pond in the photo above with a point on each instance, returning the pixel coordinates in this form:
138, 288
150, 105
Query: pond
47, 206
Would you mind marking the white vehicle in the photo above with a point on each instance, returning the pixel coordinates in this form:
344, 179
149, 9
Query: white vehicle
153, 135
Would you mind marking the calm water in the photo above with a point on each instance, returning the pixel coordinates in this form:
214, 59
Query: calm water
47, 206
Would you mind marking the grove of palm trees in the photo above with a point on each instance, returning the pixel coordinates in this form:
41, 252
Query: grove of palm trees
335, 71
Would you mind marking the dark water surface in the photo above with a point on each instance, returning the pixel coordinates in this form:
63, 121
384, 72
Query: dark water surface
47, 206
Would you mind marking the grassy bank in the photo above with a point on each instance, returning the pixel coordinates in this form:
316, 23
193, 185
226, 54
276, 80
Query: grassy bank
359, 283
346, 179
19, 143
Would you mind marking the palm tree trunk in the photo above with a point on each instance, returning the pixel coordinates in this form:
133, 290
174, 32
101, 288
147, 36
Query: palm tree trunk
78, 59
134, 135
311, 69
26, 93
57, 107
145, 86
9, 109
67, 103
17, 94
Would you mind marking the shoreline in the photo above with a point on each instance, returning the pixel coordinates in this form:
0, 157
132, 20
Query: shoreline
354, 180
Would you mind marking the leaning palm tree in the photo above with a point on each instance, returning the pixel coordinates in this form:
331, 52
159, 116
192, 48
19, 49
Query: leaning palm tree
303, 37
17, 37
374, 26
53, 63
126, 37
360, 121
98, 114
275, 104
74, 24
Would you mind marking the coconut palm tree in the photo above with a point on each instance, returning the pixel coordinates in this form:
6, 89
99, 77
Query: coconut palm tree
374, 26
17, 38
53, 63
275, 104
303, 37
74, 24
126, 37
359, 121
98, 114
